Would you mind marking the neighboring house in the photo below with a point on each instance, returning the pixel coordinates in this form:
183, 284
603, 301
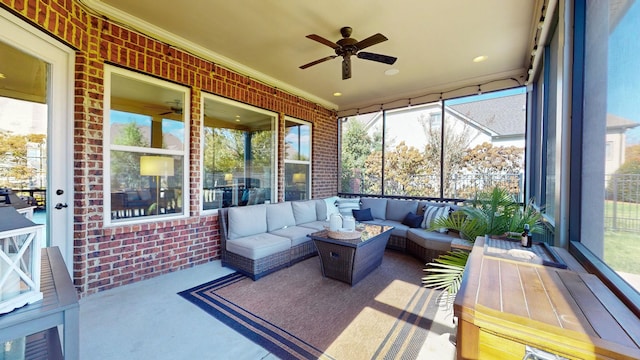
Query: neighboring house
503, 118
616, 141
500, 121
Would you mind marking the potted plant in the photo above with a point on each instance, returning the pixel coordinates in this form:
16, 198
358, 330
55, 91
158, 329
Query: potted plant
494, 213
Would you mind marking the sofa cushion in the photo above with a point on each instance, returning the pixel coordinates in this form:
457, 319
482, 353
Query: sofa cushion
412, 220
398, 209
398, 229
331, 207
304, 211
279, 216
362, 215
258, 246
345, 206
297, 234
378, 207
430, 239
316, 225
431, 213
247, 221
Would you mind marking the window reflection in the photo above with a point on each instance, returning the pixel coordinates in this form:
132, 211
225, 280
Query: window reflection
146, 146
238, 153
297, 168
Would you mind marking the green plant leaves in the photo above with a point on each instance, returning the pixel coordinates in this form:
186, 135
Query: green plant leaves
445, 273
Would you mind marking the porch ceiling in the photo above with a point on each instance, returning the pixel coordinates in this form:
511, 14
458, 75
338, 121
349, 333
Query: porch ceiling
434, 41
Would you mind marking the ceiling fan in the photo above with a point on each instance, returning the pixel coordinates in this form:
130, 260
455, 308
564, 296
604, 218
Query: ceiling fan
174, 108
348, 46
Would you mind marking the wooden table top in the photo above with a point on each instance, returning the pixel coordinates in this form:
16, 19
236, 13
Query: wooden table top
534, 302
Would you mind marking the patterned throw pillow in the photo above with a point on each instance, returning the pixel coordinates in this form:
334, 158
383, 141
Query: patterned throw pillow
431, 213
346, 205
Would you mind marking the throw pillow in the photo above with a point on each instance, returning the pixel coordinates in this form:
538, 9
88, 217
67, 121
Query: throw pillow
345, 205
412, 220
332, 207
362, 215
431, 213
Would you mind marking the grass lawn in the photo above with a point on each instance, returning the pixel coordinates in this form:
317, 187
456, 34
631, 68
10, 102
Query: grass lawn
621, 251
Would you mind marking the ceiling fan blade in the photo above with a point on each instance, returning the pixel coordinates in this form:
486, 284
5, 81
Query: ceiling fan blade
371, 40
377, 57
318, 61
324, 41
346, 68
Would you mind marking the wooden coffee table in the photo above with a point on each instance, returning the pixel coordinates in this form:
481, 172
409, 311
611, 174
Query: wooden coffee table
350, 260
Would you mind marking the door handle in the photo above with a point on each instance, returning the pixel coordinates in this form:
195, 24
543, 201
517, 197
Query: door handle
61, 205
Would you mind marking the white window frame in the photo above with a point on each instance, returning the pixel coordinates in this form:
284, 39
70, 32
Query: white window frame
108, 147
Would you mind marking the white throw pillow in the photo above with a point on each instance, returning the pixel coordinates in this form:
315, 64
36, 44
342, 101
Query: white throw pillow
431, 213
330, 203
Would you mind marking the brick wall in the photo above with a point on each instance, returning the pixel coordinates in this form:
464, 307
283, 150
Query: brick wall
109, 257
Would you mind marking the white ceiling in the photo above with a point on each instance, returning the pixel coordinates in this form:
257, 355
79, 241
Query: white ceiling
434, 41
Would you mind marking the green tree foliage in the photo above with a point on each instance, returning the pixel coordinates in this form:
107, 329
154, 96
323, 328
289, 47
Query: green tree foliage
357, 145
15, 170
488, 162
226, 150
624, 184
125, 165
402, 164
416, 172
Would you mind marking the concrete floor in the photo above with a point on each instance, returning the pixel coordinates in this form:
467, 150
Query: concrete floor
148, 320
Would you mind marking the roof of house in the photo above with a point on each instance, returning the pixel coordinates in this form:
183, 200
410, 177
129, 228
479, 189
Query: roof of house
505, 116
615, 121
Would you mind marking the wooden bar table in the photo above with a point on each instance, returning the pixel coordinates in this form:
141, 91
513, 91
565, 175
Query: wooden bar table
58, 307
507, 309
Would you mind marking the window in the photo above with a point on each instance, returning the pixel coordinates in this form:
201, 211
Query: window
412, 151
297, 160
483, 147
484, 142
146, 148
361, 154
610, 193
238, 154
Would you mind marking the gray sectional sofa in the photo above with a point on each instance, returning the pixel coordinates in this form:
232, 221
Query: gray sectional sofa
260, 239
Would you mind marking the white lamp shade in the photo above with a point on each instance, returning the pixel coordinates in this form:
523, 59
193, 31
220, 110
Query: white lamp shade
156, 166
299, 178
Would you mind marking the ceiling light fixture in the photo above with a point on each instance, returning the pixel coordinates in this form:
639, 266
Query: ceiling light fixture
337, 93
480, 58
391, 72
2, 76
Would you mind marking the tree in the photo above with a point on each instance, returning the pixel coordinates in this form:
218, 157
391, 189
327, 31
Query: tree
624, 184
493, 166
403, 168
125, 165
357, 146
15, 168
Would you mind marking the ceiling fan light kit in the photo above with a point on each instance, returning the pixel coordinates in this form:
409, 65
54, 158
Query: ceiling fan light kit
347, 47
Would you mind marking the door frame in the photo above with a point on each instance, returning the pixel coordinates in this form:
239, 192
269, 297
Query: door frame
61, 58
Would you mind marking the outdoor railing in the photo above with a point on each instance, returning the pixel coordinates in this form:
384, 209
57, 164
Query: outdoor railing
622, 204
427, 186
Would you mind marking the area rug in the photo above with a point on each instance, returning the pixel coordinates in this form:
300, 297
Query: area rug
295, 313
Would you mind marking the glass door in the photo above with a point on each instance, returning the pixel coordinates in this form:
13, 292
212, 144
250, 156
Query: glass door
35, 128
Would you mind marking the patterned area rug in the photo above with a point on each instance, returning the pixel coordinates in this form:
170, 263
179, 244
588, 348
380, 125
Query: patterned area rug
295, 313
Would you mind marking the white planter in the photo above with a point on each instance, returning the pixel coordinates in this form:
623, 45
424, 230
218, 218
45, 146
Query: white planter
20, 247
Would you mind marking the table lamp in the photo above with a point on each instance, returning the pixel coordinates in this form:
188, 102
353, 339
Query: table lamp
156, 166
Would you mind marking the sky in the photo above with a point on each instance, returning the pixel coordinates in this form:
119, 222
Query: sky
624, 71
